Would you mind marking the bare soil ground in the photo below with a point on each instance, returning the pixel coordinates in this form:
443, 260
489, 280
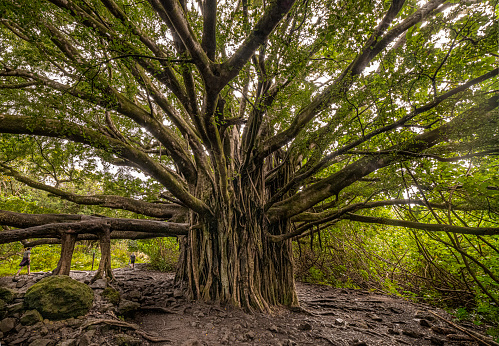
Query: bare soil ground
329, 316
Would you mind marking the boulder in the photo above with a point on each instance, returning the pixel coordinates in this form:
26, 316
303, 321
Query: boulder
127, 307
6, 294
111, 295
59, 297
31, 317
7, 324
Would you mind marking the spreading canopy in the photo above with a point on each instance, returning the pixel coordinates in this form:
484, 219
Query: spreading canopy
321, 111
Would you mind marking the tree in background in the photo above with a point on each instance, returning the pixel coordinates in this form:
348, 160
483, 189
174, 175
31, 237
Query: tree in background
254, 123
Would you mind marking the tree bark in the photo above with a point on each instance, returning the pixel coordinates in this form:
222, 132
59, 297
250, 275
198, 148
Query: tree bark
68, 241
104, 269
230, 257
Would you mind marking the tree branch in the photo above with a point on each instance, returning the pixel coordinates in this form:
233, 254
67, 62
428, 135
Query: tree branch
263, 28
424, 226
107, 201
82, 134
465, 124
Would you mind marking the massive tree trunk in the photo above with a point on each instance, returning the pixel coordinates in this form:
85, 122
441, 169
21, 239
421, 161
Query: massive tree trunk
230, 257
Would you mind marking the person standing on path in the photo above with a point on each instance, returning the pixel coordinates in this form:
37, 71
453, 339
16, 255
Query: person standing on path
26, 261
132, 260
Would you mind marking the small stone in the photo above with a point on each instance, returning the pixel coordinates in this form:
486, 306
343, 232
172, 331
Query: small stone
359, 343
305, 326
20, 283
43, 342
209, 326
98, 284
436, 341
250, 335
412, 333
126, 340
191, 342
7, 324
273, 328
424, 323
424, 315
31, 317
18, 307
127, 307
339, 322
133, 295
19, 341
69, 342
396, 310
6, 294
393, 331
86, 338
375, 317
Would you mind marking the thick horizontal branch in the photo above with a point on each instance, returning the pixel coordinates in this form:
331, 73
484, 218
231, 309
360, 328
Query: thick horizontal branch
92, 225
106, 201
494, 151
424, 226
463, 125
114, 235
326, 215
174, 145
81, 134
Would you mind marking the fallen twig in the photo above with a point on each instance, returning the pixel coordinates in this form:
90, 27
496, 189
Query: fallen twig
474, 335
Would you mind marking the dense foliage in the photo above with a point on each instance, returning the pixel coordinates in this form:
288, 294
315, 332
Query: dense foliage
242, 126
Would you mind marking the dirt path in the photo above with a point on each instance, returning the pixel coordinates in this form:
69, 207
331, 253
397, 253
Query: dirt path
332, 317
329, 317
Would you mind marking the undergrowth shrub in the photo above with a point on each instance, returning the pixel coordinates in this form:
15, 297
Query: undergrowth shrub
163, 253
412, 264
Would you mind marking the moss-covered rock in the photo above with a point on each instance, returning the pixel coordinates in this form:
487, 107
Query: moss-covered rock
111, 295
6, 294
31, 317
59, 297
3, 305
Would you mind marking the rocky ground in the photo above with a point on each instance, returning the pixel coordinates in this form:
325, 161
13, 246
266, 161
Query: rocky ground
151, 311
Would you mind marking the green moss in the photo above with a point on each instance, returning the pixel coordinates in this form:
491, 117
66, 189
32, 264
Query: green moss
6, 294
59, 297
111, 295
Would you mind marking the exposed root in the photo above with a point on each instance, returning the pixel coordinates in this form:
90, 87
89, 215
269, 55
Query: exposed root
302, 310
157, 309
125, 325
480, 338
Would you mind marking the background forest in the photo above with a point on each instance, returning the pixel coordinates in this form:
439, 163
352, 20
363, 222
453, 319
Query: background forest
362, 143
458, 273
